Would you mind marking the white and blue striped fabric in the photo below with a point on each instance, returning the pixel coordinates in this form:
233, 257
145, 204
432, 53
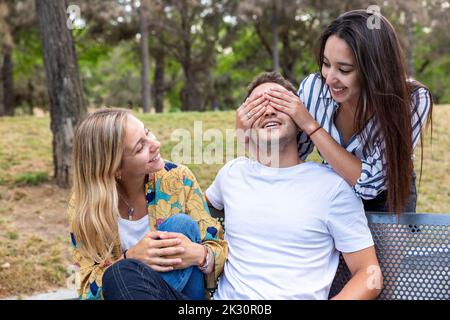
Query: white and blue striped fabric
316, 96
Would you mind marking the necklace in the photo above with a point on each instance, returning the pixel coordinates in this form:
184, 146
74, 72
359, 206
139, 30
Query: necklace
130, 208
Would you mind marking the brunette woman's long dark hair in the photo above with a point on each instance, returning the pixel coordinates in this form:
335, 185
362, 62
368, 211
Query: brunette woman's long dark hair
385, 96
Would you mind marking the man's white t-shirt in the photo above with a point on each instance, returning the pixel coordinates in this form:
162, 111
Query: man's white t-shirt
285, 228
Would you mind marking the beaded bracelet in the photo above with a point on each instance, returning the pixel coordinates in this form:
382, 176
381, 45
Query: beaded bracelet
203, 267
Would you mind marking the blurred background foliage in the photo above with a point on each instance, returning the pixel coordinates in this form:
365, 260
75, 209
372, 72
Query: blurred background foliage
203, 53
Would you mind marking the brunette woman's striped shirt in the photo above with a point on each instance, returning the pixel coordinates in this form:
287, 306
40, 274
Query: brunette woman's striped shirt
316, 96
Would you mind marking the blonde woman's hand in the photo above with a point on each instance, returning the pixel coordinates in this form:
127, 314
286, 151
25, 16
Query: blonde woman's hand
159, 250
287, 102
193, 253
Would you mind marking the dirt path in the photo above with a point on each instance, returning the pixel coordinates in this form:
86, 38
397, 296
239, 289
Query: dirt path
38, 210
34, 239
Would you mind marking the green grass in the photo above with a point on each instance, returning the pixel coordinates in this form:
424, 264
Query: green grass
34, 265
25, 146
12, 235
31, 178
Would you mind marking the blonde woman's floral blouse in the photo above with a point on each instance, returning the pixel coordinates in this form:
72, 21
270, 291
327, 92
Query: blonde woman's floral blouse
174, 190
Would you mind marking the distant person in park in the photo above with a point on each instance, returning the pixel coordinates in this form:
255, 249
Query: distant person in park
287, 220
361, 111
140, 226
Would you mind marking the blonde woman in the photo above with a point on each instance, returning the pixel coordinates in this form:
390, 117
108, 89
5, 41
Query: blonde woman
140, 226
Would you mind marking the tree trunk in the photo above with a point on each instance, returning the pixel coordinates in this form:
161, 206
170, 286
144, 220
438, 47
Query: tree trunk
29, 96
158, 84
275, 52
7, 81
145, 64
63, 83
191, 98
2, 107
288, 59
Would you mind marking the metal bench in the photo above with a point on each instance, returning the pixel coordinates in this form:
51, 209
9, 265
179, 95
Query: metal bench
413, 252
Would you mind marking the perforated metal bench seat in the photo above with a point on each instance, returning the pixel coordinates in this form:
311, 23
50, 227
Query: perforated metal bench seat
413, 252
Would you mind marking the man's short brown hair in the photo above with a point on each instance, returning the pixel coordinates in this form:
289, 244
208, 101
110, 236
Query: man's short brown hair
266, 77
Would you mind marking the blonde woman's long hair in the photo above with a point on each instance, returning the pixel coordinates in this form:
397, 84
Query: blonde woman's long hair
97, 154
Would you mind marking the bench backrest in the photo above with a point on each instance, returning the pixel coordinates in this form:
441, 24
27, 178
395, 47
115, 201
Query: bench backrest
413, 252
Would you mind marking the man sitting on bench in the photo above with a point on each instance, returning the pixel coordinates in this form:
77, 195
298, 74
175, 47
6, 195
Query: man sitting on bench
287, 220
